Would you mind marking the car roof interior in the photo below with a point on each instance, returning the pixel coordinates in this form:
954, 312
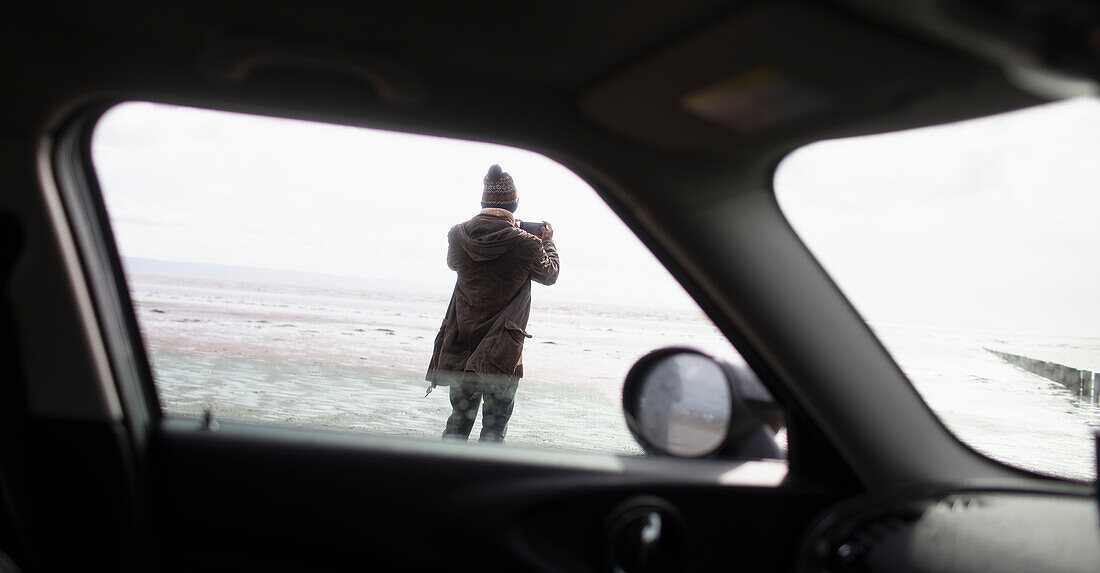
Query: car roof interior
623, 93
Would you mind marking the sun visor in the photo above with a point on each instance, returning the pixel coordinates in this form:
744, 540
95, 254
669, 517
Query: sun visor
771, 73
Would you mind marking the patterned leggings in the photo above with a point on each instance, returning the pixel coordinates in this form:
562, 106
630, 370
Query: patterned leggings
466, 397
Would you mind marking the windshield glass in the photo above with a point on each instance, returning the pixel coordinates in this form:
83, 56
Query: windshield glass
970, 249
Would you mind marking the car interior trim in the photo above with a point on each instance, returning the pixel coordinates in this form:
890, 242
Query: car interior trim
767, 473
52, 404
78, 188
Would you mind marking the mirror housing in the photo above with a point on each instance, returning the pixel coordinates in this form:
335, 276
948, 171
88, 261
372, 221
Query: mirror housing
681, 402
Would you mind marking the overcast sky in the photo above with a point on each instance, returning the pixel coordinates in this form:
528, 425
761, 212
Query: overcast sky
989, 224
198, 186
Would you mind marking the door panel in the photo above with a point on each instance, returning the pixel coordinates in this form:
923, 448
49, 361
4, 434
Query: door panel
279, 499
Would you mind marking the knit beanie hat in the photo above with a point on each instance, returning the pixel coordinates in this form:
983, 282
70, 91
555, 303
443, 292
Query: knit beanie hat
499, 192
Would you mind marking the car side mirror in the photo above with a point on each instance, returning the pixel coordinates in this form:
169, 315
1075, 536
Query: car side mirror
684, 403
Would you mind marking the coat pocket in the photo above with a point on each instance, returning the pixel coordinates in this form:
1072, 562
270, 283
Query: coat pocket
508, 347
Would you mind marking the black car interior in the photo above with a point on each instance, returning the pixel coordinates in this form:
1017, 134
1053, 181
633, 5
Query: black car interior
93, 476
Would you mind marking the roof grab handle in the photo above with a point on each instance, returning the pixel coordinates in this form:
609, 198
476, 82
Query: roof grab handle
392, 81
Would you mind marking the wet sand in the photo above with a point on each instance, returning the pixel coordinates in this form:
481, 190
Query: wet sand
353, 359
356, 360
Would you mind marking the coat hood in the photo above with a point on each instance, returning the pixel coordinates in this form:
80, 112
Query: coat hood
488, 235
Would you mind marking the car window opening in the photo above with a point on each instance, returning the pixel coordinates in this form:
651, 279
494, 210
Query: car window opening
970, 250
323, 276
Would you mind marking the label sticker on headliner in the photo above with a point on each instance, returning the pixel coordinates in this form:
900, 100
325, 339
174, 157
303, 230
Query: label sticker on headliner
756, 101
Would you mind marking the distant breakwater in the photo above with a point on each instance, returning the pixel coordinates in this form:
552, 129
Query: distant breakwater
1081, 382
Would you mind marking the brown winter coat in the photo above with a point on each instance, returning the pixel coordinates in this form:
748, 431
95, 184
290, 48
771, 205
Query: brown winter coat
485, 326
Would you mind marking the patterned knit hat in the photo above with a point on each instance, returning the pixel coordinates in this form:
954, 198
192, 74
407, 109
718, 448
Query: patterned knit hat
499, 192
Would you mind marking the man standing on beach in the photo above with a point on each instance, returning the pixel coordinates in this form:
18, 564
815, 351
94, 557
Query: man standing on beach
478, 351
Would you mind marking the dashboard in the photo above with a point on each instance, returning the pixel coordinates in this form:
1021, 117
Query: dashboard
956, 531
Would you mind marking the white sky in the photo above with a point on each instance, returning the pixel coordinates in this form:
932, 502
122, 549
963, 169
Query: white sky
989, 224
198, 186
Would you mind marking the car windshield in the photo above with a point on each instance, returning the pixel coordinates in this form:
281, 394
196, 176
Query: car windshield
970, 250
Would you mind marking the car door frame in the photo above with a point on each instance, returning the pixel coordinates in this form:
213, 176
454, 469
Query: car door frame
229, 523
